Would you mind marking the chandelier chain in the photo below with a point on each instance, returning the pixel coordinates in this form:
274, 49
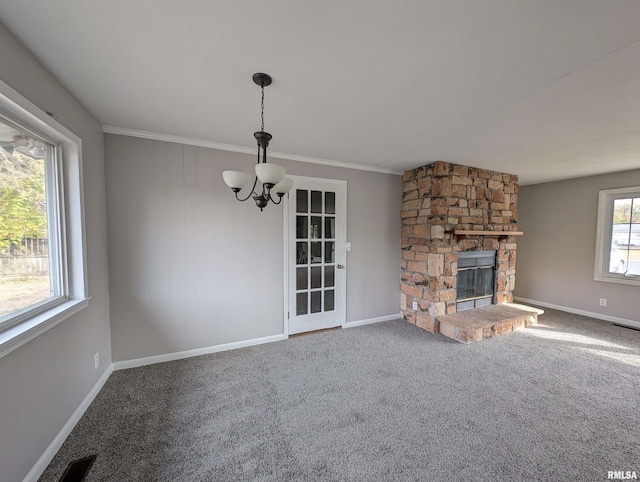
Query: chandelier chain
262, 109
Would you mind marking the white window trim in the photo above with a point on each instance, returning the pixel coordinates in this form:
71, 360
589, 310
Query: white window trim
604, 233
71, 218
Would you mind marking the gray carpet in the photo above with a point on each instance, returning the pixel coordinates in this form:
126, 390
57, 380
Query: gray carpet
388, 401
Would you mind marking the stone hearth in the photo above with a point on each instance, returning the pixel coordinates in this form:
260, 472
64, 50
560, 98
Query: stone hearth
488, 322
440, 200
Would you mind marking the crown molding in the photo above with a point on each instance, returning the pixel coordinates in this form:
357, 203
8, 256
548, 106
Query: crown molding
123, 131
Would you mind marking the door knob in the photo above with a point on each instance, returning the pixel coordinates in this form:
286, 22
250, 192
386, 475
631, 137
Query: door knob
340, 266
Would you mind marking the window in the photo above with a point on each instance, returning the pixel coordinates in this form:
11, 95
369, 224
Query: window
31, 246
42, 253
618, 238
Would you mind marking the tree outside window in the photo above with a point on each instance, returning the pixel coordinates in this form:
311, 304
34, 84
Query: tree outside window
25, 268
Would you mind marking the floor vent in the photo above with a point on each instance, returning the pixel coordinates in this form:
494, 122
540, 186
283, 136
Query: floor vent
78, 469
627, 327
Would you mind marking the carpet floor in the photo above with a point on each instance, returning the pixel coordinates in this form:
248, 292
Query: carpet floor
383, 402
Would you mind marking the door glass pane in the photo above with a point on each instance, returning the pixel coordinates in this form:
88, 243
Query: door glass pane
302, 251
301, 304
330, 202
316, 253
302, 201
329, 275
316, 301
302, 227
316, 227
329, 300
329, 227
316, 201
316, 277
301, 279
329, 252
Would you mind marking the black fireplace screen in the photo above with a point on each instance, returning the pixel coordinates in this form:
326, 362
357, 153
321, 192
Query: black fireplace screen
476, 279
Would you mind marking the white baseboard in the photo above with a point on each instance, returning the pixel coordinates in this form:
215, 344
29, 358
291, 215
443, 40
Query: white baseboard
45, 459
150, 360
352, 324
599, 316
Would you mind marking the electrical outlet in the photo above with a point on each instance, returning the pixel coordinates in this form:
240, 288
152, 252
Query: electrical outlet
603, 302
96, 360
415, 306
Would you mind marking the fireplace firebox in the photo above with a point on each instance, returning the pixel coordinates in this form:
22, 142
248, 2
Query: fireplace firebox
475, 284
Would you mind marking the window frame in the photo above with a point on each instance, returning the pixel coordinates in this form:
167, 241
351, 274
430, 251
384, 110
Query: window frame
604, 235
64, 187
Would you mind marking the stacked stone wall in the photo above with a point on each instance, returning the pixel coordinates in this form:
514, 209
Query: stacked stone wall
438, 199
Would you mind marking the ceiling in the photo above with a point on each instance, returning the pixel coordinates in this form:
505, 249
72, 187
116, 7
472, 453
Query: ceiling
544, 89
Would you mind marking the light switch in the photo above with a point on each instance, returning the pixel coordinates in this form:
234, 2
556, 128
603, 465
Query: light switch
348, 246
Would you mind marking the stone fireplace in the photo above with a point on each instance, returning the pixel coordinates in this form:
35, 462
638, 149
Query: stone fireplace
450, 209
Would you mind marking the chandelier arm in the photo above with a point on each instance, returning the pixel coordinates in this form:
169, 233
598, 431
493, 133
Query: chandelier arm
279, 199
252, 192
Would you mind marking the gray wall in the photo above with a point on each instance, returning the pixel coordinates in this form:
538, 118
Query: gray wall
191, 267
44, 381
557, 252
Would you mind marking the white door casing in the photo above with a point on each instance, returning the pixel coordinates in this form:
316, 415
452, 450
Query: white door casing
315, 254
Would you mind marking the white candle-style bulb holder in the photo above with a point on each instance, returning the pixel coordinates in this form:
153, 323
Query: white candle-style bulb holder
236, 180
269, 174
283, 187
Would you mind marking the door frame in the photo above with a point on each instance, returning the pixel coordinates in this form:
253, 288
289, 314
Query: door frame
286, 232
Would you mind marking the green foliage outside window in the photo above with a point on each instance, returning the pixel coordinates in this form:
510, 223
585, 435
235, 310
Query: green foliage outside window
23, 211
626, 211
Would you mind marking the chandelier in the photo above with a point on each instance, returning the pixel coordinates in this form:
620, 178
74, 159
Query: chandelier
270, 175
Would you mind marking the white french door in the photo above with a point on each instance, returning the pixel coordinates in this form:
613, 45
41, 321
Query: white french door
317, 212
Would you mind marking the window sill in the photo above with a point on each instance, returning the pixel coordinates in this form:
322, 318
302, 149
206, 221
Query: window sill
635, 280
18, 335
